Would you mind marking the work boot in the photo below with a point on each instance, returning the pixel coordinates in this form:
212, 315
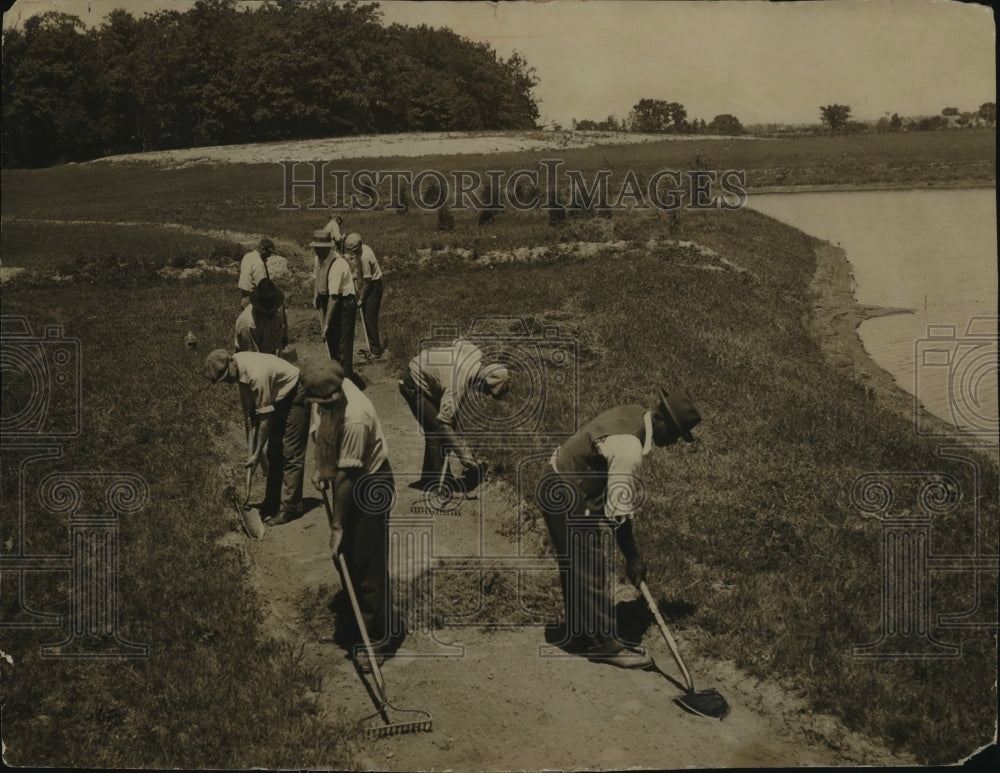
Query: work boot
617, 654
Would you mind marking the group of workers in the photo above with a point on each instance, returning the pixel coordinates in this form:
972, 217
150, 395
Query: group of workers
598, 466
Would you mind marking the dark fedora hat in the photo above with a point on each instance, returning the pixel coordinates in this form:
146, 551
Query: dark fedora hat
266, 297
681, 410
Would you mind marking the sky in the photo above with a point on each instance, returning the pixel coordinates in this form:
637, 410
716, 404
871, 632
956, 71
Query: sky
762, 62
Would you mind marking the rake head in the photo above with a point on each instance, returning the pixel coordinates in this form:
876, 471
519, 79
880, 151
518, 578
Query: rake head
383, 725
704, 703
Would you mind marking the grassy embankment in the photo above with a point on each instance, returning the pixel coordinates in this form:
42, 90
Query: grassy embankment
212, 691
752, 528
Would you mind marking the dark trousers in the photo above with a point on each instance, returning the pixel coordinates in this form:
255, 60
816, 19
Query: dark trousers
585, 554
369, 310
286, 454
366, 548
340, 333
425, 412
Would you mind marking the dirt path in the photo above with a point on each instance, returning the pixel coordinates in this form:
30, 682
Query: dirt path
501, 699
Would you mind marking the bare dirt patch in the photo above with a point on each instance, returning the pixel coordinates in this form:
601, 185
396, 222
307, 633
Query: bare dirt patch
402, 145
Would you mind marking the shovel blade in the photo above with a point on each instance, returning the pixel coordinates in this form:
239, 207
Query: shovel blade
704, 703
252, 523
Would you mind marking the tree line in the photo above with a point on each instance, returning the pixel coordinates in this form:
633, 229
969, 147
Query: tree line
660, 116
838, 118
218, 74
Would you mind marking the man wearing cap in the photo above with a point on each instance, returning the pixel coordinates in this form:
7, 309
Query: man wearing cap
253, 268
371, 288
592, 492
355, 479
263, 325
271, 394
436, 385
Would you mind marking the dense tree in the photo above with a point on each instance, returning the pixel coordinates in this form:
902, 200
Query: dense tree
52, 104
657, 116
725, 124
835, 116
223, 73
988, 112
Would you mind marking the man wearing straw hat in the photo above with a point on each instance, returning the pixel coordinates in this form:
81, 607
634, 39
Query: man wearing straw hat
435, 387
355, 479
263, 325
591, 493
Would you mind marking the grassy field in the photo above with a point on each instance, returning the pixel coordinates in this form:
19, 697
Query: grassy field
212, 692
752, 529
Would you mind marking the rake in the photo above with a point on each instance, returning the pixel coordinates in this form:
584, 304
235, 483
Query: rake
704, 703
381, 724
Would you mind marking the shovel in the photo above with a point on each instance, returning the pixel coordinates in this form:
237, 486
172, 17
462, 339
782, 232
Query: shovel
252, 523
704, 703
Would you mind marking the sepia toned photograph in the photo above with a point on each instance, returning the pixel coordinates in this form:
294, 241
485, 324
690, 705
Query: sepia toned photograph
581, 385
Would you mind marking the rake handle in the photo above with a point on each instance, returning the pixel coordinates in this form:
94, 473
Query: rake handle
349, 586
666, 634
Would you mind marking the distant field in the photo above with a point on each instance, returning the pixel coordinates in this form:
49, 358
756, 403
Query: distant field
246, 197
57, 246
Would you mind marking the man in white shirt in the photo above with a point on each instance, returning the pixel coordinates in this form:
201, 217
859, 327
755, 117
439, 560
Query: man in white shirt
341, 313
253, 268
333, 232
271, 395
594, 488
353, 473
371, 289
435, 386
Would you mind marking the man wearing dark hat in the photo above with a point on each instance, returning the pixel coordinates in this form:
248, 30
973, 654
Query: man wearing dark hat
371, 288
272, 395
263, 325
590, 495
354, 477
253, 268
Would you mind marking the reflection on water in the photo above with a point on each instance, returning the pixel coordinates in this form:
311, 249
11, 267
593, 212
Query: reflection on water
930, 251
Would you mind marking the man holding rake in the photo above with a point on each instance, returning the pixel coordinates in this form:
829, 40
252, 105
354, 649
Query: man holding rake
355, 479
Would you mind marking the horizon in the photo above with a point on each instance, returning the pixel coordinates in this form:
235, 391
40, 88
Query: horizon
723, 57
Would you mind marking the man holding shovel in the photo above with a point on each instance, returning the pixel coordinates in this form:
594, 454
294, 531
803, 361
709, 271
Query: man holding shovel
355, 479
592, 492
272, 395
371, 289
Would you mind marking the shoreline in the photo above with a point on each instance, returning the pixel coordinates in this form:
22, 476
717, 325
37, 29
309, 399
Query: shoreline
834, 322
765, 190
